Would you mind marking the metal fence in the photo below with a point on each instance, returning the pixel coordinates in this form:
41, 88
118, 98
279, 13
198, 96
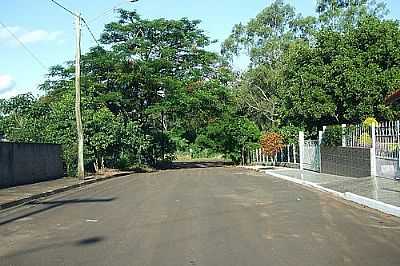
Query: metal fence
288, 154
387, 140
358, 136
312, 155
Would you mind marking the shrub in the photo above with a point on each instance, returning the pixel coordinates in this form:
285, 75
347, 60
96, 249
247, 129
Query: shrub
271, 143
332, 136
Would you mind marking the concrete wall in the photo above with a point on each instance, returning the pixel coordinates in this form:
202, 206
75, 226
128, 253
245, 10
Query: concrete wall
346, 161
22, 163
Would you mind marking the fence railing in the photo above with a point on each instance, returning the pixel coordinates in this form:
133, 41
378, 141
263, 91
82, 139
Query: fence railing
288, 154
358, 136
388, 140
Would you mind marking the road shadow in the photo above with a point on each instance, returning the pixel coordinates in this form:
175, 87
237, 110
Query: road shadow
77, 243
191, 165
45, 205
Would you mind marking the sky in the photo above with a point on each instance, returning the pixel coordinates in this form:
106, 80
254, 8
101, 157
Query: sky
48, 31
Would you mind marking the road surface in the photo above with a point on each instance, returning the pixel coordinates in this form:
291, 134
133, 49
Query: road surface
202, 216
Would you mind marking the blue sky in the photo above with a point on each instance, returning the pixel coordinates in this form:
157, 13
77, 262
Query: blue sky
48, 31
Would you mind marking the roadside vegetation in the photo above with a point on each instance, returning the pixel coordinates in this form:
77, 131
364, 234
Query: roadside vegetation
153, 90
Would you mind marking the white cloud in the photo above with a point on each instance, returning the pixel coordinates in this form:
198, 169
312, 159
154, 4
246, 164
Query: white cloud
4, 33
7, 84
28, 36
38, 36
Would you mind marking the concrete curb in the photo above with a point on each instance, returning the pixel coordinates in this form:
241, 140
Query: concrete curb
307, 184
29, 198
373, 204
360, 200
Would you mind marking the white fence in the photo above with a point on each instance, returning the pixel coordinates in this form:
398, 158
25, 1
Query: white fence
384, 140
288, 154
358, 136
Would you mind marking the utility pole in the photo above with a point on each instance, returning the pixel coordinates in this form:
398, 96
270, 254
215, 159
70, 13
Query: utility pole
78, 116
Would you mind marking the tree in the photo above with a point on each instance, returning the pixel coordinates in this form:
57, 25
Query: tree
151, 79
233, 136
266, 39
345, 77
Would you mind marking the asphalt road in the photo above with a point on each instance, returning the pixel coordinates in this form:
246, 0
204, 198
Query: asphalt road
203, 216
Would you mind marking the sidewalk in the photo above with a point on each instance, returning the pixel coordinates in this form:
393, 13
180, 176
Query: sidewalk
13, 196
375, 188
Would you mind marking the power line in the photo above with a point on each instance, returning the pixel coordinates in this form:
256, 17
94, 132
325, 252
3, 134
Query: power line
77, 15
24, 46
90, 31
63, 7
108, 11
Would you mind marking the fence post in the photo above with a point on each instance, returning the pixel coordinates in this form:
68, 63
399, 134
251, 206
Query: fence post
301, 146
344, 144
373, 151
294, 153
288, 153
263, 157
320, 134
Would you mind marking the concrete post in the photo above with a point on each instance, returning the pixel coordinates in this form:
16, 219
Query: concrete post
344, 135
301, 146
373, 151
288, 153
294, 153
320, 134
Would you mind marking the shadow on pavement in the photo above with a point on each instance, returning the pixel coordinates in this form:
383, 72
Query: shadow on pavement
51, 205
52, 246
89, 241
191, 165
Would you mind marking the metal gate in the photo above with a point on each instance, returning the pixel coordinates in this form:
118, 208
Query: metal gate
387, 149
312, 155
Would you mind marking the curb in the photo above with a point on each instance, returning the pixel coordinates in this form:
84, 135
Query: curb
373, 204
21, 201
354, 198
307, 184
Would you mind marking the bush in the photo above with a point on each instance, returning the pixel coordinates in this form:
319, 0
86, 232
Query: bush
271, 143
332, 136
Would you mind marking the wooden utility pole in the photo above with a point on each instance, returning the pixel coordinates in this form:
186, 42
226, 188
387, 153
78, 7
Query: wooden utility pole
79, 127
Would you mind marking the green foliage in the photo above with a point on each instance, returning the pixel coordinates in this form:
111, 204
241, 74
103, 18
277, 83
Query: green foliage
370, 121
232, 136
332, 136
308, 72
149, 93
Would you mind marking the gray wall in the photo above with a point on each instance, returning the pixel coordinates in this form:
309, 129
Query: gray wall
346, 161
22, 163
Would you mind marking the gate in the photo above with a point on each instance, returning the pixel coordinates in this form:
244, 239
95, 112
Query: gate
312, 155
387, 149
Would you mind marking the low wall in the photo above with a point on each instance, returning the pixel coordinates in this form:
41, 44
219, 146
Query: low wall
346, 161
22, 163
